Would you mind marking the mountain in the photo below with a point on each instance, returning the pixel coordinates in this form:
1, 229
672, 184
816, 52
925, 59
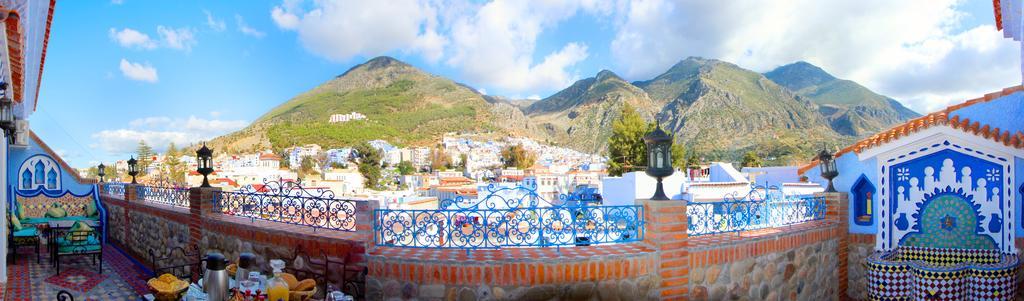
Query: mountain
402, 104
581, 115
721, 110
851, 109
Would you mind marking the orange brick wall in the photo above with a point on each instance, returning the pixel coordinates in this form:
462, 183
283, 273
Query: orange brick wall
513, 273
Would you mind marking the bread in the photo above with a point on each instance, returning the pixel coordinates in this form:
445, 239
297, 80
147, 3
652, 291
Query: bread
291, 280
305, 285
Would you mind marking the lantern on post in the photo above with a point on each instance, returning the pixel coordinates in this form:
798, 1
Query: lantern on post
659, 159
100, 171
7, 114
205, 163
828, 168
133, 169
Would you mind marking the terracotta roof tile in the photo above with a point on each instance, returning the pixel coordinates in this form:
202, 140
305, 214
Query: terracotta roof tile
942, 117
999, 14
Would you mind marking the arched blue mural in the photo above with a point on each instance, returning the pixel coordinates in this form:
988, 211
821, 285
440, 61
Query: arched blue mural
39, 172
863, 195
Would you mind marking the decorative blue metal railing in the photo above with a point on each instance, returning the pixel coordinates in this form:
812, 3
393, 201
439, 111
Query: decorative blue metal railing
758, 209
115, 189
508, 217
289, 202
173, 196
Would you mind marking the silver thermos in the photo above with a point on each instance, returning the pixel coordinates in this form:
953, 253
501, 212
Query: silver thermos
216, 279
245, 264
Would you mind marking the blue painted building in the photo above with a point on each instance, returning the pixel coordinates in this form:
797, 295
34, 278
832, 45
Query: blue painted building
971, 152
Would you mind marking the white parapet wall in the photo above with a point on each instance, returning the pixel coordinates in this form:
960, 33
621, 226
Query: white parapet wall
628, 188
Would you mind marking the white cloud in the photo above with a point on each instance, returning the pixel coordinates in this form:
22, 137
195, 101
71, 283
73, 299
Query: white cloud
177, 38
340, 30
214, 23
496, 45
245, 29
159, 131
910, 50
138, 71
174, 38
130, 38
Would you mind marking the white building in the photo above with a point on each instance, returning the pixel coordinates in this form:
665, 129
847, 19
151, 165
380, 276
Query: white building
335, 118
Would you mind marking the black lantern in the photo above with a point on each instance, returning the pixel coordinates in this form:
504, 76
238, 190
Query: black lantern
828, 168
100, 171
133, 169
659, 159
205, 163
7, 114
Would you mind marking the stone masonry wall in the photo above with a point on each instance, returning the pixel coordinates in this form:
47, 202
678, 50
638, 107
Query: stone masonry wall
137, 228
799, 265
861, 246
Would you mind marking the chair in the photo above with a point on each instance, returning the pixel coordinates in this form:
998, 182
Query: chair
28, 236
73, 243
182, 262
315, 268
63, 295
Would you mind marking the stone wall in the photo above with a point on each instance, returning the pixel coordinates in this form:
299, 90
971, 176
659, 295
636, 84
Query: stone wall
139, 228
861, 246
797, 265
573, 273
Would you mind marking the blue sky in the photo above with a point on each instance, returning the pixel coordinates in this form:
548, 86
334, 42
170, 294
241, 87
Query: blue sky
184, 71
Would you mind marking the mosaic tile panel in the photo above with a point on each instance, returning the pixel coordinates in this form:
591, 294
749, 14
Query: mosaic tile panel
910, 273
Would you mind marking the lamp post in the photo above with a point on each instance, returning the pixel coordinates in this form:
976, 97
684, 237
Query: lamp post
133, 169
205, 163
828, 168
7, 114
100, 171
659, 159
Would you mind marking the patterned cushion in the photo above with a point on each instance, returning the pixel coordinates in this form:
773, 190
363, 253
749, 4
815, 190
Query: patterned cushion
90, 209
56, 212
15, 222
21, 211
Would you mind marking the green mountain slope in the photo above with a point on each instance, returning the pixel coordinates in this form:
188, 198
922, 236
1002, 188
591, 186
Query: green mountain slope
721, 110
581, 116
851, 109
403, 105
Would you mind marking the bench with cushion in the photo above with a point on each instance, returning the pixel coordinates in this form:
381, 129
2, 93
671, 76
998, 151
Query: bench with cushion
22, 236
39, 207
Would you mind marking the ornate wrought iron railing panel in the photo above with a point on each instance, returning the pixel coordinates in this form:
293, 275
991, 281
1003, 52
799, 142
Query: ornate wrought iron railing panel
173, 196
759, 209
508, 217
289, 203
114, 189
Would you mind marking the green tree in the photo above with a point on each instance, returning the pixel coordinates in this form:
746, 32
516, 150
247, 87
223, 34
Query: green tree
405, 168
307, 166
172, 162
463, 162
693, 162
518, 156
626, 149
751, 159
369, 165
145, 153
678, 156
439, 159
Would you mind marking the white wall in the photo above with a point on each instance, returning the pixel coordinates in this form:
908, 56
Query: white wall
628, 188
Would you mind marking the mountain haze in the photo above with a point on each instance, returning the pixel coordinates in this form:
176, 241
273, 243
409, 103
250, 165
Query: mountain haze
719, 110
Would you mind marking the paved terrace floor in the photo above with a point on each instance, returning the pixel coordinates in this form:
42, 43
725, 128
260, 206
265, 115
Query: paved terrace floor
121, 279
